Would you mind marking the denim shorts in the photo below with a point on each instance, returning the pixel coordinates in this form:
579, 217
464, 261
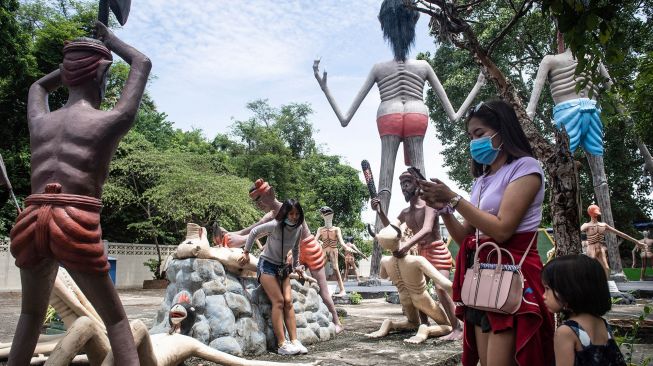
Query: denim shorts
266, 267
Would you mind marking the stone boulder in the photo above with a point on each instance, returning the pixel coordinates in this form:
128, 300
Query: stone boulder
233, 314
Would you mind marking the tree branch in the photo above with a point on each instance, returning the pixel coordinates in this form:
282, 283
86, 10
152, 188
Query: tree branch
526, 5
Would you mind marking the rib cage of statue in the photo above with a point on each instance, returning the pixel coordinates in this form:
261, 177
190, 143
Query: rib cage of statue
402, 115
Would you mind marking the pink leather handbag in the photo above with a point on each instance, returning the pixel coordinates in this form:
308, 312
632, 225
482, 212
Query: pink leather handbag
494, 287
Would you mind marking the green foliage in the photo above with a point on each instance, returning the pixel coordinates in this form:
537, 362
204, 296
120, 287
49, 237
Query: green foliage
355, 298
518, 57
50, 315
628, 340
153, 265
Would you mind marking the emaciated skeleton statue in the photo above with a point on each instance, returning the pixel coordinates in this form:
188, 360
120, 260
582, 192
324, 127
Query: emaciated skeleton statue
596, 231
407, 274
330, 236
402, 115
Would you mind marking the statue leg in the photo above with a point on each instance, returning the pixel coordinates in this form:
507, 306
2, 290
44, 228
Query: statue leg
333, 258
427, 331
411, 322
450, 310
84, 335
320, 277
146, 354
100, 291
37, 284
389, 147
414, 151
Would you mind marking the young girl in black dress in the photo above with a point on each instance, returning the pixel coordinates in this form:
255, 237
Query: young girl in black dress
575, 286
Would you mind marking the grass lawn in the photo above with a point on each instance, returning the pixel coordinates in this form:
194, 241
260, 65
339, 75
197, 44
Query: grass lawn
633, 273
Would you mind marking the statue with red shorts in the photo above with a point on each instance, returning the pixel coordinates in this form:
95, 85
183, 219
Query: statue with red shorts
402, 116
71, 151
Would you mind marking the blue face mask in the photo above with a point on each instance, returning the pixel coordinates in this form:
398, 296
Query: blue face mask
290, 223
482, 150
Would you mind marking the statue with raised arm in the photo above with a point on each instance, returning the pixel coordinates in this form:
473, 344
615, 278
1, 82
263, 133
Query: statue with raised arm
424, 223
402, 115
329, 237
311, 254
596, 231
408, 275
350, 257
71, 151
645, 249
580, 115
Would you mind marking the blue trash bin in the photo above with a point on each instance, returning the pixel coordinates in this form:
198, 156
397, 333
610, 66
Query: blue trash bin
112, 269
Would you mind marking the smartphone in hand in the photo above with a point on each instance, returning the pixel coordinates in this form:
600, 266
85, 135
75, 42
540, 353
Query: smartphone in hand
416, 173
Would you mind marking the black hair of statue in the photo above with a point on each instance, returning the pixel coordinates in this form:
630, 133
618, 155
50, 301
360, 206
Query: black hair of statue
500, 116
579, 284
398, 26
286, 207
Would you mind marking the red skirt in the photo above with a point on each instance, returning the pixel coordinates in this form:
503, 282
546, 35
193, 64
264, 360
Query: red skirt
533, 323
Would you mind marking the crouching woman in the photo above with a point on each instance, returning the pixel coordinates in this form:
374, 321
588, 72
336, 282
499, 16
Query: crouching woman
284, 233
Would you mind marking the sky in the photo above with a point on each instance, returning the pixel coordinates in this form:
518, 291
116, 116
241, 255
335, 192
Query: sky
212, 57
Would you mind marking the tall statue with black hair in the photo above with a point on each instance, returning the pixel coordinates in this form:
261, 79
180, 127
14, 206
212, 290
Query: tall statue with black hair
402, 115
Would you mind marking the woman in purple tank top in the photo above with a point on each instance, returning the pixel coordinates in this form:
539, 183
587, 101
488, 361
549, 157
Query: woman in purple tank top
505, 207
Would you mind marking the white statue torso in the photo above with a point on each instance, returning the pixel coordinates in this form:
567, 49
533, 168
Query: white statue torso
401, 86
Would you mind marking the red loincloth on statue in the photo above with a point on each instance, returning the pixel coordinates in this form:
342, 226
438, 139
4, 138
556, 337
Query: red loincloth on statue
65, 227
533, 323
437, 254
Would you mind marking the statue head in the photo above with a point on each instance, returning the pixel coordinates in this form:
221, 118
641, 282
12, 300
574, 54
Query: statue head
263, 195
86, 61
594, 211
409, 186
388, 238
326, 211
398, 26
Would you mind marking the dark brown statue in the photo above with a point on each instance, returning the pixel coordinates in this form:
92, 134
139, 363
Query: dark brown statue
71, 150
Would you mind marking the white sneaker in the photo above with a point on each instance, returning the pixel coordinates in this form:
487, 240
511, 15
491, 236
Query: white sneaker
288, 348
300, 346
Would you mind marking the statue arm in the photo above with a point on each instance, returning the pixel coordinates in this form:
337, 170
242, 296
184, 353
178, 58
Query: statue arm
604, 72
540, 80
37, 100
427, 228
362, 93
621, 235
140, 66
266, 218
340, 239
437, 277
442, 95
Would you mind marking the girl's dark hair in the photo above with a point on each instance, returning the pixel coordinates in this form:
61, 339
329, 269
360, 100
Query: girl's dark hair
501, 117
286, 207
579, 283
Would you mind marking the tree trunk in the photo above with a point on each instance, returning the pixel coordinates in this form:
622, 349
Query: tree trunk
602, 194
559, 165
157, 273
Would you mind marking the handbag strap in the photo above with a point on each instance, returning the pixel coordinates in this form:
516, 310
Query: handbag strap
478, 232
